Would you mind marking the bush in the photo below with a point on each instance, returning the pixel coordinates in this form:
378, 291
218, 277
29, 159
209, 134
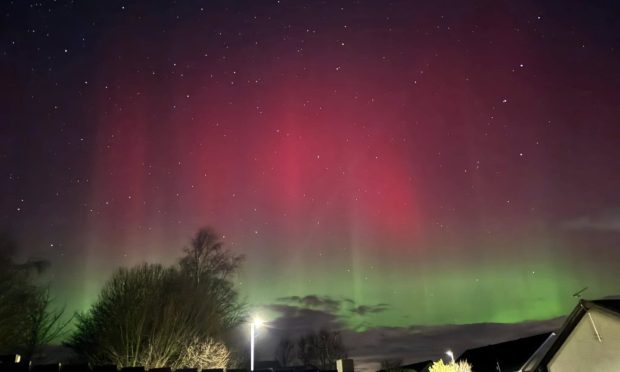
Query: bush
460, 366
207, 354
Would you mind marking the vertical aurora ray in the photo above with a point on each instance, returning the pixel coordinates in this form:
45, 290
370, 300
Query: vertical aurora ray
436, 160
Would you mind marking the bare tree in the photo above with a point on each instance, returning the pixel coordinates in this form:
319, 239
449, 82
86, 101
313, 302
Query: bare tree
330, 349
153, 316
209, 266
122, 327
28, 320
203, 354
285, 352
306, 350
47, 323
321, 349
206, 258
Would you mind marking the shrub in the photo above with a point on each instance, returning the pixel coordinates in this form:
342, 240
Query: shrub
460, 366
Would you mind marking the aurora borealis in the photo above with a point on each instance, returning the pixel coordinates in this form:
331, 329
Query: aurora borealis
435, 163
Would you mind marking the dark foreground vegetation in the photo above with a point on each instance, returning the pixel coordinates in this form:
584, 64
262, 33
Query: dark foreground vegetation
28, 319
148, 316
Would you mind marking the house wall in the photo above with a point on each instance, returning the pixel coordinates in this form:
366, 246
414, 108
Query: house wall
583, 352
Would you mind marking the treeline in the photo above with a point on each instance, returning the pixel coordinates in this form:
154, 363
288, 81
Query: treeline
156, 316
27, 320
319, 349
148, 315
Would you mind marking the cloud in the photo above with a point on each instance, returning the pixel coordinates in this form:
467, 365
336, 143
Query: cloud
296, 320
333, 306
314, 301
369, 309
609, 223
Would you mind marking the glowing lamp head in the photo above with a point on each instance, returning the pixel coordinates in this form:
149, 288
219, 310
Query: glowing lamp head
257, 322
450, 354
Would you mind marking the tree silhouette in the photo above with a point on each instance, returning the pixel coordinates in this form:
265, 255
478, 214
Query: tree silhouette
285, 352
28, 318
209, 266
321, 349
156, 316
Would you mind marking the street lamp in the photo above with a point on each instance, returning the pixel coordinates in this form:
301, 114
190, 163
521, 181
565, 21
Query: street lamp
451, 355
256, 323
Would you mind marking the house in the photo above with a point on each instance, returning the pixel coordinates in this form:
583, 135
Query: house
589, 340
414, 367
535, 358
506, 356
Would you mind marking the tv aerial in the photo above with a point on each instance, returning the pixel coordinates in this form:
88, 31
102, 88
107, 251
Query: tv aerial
577, 294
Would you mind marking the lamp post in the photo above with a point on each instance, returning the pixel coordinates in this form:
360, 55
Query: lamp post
451, 355
256, 323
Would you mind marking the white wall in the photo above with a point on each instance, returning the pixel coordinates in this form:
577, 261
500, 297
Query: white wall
583, 352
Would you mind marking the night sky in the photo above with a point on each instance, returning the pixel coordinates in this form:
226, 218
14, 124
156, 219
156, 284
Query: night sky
380, 164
